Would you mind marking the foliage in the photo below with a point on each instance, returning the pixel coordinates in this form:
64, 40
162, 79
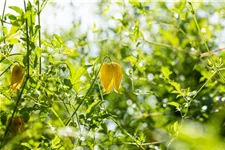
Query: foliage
172, 91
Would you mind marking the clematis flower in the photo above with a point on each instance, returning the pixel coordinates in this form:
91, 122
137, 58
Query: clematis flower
111, 76
16, 78
17, 125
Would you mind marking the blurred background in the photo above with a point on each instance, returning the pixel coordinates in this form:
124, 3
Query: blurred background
172, 56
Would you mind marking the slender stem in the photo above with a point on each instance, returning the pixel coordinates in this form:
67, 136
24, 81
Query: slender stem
3, 14
39, 36
3, 11
5, 57
57, 116
5, 70
125, 131
100, 92
197, 25
84, 97
106, 57
197, 93
169, 46
28, 44
211, 52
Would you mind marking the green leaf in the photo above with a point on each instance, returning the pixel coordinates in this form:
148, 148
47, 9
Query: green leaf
58, 38
176, 86
5, 30
75, 74
177, 105
131, 59
94, 28
136, 31
38, 51
13, 41
106, 9
135, 3
166, 72
27, 145
13, 29
56, 142
17, 9
92, 107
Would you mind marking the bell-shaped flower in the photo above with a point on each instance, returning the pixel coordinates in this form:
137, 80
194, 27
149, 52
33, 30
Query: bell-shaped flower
17, 125
111, 76
16, 78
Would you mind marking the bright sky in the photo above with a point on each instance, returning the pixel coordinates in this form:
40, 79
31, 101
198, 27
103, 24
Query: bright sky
52, 19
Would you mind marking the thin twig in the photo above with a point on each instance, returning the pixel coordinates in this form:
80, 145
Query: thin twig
96, 75
5, 70
211, 52
39, 36
83, 97
3, 14
28, 44
197, 25
125, 131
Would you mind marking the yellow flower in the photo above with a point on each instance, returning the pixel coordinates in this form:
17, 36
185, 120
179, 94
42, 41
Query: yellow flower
16, 78
17, 125
111, 76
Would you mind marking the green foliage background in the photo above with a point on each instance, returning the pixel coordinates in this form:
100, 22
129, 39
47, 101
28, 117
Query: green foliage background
173, 78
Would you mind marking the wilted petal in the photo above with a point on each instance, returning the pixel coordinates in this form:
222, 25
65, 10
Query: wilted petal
16, 77
106, 77
117, 76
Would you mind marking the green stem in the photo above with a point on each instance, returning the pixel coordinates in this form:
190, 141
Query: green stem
57, 116
3, 13
170, 47
125, 131
197, 25
87, 91
100, 92
83, 99
39, 35
28, 44
197, 93
5, 70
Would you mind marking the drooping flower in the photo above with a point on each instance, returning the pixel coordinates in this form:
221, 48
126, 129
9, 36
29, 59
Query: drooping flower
111, 76
17, 125
16, 78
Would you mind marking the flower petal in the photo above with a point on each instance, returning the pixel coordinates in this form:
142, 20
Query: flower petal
117, 77
106, 77
16, 77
